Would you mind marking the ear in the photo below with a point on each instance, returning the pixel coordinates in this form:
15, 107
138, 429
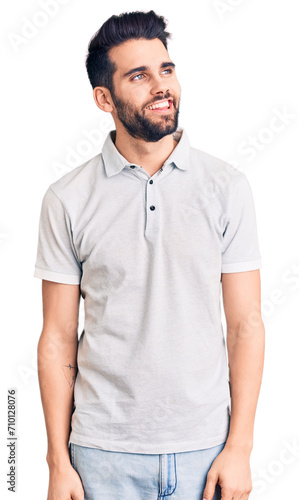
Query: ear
103, 99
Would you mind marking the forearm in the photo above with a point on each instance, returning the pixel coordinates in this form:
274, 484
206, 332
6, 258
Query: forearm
57, 362
246, 359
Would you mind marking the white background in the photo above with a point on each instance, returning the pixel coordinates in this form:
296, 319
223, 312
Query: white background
237, 63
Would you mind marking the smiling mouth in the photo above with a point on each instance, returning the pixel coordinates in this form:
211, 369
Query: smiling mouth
161, 106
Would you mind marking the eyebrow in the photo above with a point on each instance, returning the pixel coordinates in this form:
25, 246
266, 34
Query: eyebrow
146, 68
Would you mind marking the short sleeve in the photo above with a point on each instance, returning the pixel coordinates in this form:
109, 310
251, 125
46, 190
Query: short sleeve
240, 246
56, 258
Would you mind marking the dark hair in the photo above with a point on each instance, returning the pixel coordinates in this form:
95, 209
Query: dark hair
116, 30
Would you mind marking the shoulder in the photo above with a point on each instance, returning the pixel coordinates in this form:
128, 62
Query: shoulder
217, 174
78, 184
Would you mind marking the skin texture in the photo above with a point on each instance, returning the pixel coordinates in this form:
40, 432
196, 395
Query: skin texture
57, 348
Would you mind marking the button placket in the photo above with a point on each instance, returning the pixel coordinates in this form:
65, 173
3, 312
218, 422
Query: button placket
152, 207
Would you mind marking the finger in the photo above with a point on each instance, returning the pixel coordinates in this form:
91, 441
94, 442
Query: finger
209, 490
78, 495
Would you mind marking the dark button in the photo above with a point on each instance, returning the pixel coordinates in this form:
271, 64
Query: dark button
132, 166
152, 207
151, 181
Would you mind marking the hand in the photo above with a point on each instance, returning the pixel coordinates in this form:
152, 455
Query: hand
231, 469
65, 484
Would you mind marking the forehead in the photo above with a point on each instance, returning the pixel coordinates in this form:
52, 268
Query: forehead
134, 53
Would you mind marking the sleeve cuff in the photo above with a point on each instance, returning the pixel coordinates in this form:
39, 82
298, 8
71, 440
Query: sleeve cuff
237, 267
67, 279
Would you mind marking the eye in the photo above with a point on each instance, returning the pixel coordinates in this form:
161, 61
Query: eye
136, 77
169, 70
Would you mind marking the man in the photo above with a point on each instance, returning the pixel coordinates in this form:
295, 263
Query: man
147, 232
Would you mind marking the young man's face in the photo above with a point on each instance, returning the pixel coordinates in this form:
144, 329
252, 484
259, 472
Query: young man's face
145, 76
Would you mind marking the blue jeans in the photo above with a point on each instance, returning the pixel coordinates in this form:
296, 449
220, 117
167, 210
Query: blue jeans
113, 475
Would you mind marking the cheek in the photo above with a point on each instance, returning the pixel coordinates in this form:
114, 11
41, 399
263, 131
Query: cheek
177, 88
133, 94
140, 94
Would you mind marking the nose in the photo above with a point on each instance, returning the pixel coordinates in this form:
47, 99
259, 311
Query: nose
159, 86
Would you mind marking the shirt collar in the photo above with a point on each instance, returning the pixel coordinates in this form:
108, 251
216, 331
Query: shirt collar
114, 162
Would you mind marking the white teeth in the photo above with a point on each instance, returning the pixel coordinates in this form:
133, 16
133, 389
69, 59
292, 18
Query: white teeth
163, 104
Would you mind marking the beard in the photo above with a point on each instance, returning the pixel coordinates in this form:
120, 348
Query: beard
141, 127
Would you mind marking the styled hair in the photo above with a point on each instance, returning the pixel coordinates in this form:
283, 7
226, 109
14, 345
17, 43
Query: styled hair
116, 30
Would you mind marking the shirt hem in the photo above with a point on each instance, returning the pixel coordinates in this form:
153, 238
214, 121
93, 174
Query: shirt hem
129, 447
68, 279
241, 266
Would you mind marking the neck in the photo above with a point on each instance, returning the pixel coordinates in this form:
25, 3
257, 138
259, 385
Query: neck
148, 155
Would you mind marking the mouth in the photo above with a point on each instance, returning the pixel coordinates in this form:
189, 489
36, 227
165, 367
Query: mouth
161, 107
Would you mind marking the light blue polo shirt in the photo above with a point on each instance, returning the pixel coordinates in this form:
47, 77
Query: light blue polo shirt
148, 253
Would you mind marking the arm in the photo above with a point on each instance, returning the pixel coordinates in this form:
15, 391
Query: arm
57, 368
245, 346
